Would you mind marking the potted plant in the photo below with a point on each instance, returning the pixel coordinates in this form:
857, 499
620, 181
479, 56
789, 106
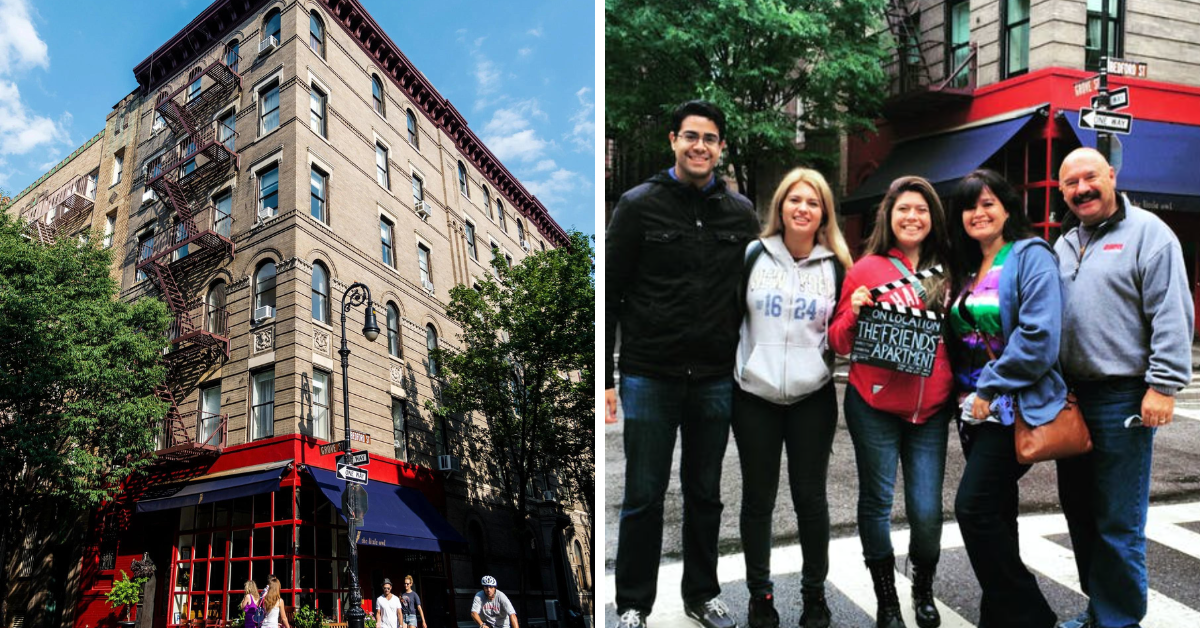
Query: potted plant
307, 617
125, 592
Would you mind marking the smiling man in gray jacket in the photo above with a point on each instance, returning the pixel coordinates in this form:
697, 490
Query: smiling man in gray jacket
1128, 321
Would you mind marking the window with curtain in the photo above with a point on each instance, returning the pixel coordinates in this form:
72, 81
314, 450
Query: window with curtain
268, 190
268, 108
214, 315
320, 404
958, 39
399, 430
381, 165
385, 242
210, 415
264, 285
262, 410
1016, 37
320, 293
393, 329
418, 189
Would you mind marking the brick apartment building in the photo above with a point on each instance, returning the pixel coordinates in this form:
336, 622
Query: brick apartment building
273, 153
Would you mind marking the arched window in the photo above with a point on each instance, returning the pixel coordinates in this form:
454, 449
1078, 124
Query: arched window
500, 216
581, 566
413, 137
462, 180
393, 328
264, 285
232, 54
316, 34
377, 94
520, 232
431, 344
214, 311
271, 26
487, 198
320, 293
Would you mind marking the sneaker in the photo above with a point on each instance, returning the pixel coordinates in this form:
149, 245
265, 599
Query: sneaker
711, 614
762, 612
632, 618
1082, 620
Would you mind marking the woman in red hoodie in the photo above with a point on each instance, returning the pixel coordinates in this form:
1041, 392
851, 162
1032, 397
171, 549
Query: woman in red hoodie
895, 417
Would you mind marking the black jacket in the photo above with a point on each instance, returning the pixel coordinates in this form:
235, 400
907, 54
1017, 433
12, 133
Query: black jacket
674, 257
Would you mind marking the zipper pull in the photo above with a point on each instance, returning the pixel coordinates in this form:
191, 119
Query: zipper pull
699, 224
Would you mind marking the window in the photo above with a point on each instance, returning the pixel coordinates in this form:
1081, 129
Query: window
1097, 45
500, 216
316, 111
318, 207
90, 187
181, 234
385, 239
320, 404
471, 241
413, 137
381, 165
393, 330
431, 344
110, 225
400, 429
1015, 41
423, 262
264, 286
214, 309
487, 199
377, 94
225, 132
223, 216
268, 108
508, 259
160, 123
268, 192
210, 415
320, 293
145, 250
958, 39
231, 55
439, 436
262, 409
118, 166
316, 34
520, 232
543, 245
462, 180
418, 191
271, 26
193, 90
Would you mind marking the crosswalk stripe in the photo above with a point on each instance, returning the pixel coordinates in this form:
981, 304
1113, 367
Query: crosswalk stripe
1175, 537
1187, 413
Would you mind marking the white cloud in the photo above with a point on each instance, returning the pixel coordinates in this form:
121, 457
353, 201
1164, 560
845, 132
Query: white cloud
583, 134
20, 46
525, 52
509, 134
22, 131
544, 165
554, 190
523, 145
487, 76
536, 32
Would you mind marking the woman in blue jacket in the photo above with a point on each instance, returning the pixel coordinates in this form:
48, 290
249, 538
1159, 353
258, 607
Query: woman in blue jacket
1005, 322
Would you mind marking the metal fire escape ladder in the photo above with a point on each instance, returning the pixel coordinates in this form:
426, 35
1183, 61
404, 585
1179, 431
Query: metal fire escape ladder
910, 53
176, 430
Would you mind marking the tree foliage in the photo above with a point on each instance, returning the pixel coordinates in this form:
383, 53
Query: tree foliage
526, 366
78, 370
752, 58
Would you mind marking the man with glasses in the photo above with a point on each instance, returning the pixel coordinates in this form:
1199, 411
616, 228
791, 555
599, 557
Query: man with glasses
674, 252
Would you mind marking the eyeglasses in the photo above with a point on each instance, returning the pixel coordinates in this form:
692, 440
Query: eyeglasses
691, 137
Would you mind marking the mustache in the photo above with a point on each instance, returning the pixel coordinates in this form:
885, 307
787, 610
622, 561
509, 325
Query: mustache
1085, 197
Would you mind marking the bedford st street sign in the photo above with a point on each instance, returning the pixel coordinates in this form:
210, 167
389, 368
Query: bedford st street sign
1105, 121
351, 474
1123, 67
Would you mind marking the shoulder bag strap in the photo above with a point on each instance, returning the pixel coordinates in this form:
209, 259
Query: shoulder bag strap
905, 272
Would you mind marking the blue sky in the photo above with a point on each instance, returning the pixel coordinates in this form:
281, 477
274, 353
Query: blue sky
521, 72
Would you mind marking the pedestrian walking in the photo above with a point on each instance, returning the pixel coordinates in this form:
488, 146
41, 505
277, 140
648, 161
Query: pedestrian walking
785, 393
674, 252
388, 607
250, 608
272, 604
491, 607
1005, 320
411, 604
1123, 270
897, 418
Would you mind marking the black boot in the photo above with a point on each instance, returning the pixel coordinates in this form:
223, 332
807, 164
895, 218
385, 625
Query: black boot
883, 575
762, 612
816, 611
922, 595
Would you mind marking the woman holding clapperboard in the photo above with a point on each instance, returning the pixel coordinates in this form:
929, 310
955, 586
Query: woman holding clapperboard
785, 392
1007, 302
896, 417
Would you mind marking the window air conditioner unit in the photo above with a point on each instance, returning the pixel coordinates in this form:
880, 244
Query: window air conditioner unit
264, 312
449, 463
265, 213
267, 45
422, 211
428, 286
149, 195
525, 245
548, 496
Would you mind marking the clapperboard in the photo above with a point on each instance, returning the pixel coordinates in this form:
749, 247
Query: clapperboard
895, 337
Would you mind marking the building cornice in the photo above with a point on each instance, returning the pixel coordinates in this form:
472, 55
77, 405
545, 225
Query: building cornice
193, 41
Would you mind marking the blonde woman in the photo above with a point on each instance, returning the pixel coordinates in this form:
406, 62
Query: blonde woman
784, 393
411, 604
272, 605
250, 606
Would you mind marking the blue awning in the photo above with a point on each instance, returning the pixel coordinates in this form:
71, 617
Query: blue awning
397, 516
263, 478
1158, 169
942, 159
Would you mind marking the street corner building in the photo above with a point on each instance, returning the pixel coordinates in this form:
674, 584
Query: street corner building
273, 154
1009, 85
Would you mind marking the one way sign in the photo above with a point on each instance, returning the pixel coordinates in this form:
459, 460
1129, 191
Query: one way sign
1106, 121
351, 474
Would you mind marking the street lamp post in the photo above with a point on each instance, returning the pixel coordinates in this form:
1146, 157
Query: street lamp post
357, 294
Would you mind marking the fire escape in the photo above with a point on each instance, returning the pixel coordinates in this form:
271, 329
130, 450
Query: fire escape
63, 212
182, 178
917, 86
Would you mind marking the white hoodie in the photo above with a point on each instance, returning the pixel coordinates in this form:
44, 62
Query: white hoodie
783, 354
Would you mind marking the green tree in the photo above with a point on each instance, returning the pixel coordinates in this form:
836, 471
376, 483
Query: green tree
526, 366
752, 58
78, 369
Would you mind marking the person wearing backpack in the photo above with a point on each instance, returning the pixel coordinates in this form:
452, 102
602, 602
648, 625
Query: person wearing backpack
899, 418
784, 393
253, 612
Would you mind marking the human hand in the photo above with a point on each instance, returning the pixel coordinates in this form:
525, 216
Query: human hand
610, 405
981, 408
860, 297
1157, 409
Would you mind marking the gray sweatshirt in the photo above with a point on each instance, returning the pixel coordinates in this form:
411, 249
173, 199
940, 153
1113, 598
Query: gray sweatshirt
1128, 311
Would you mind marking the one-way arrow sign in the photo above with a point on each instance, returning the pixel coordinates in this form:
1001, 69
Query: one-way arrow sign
352, 474
1106, 121
1117, 99
357, 459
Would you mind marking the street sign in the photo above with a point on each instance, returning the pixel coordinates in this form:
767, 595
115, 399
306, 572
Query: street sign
1105, 121
351, 474
357, 459
1123, 67
1087, 85
360, 437
1117, 99
333, 447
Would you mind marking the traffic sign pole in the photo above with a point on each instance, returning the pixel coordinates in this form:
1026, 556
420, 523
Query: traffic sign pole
1103, 139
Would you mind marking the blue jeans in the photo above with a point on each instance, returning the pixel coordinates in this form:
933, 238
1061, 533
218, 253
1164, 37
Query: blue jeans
882, 440
655, 409
1105, 496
